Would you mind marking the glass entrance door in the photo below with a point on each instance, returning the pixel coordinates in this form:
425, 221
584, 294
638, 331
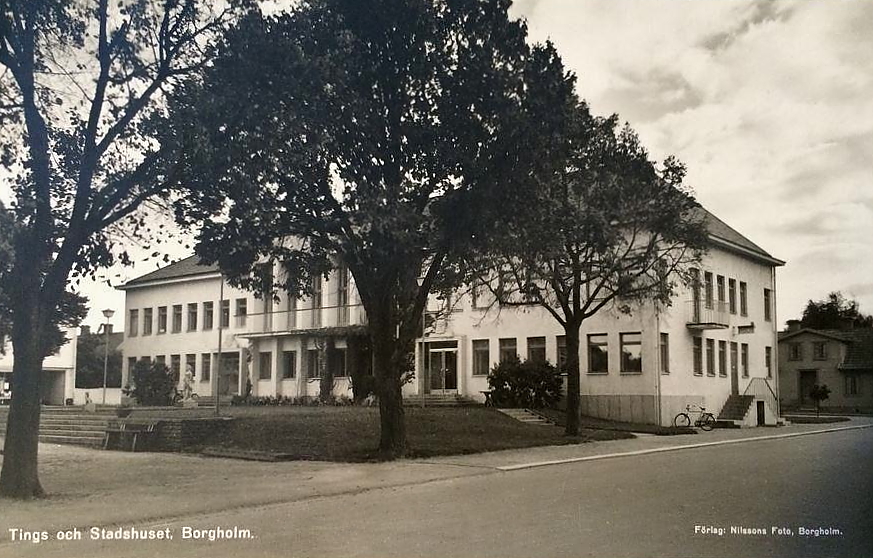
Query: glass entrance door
442, 367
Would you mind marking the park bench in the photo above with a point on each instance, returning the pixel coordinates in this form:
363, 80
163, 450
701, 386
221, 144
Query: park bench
128, 437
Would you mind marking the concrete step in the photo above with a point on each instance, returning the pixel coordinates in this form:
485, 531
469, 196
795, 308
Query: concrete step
72, 433
71, 440
525, 415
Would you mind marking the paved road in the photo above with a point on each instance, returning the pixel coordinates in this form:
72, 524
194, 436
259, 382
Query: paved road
648, 505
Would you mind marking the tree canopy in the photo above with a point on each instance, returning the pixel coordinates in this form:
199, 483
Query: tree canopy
355, 134
834, 312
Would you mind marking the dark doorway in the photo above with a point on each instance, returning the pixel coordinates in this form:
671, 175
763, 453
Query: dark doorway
807, 381
761, 415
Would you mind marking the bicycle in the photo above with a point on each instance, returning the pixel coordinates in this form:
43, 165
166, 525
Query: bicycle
705, 421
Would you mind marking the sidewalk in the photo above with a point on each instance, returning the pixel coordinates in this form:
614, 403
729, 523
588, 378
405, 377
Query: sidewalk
94, 487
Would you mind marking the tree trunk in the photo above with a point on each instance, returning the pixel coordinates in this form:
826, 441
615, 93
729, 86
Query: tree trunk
19, 477
571, 333
392, 439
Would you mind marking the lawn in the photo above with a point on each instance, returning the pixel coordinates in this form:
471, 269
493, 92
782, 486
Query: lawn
352, 433
560, 417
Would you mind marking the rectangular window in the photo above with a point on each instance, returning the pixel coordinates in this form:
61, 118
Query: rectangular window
162, 319
732, 295
313, 364
665, 353
207, 316
205, 367
289, 365
768, 306
291, 311
242, 311
795, 351
177, 318
224, 318
598, 354
315, 302
508, 349
265, 365
337, 363
722, 358
631, 345
852, 389
744, 359
133, 324
744, 300
175, 365
707, 289
768, 361
536, 349
820, 350
734, 363
342, 296
710, 357
191, 364
161, 359
698, 356
147, 321
192, 316
481, 357
719, 284
561, 341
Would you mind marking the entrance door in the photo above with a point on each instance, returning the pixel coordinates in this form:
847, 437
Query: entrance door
442, 367
807, 381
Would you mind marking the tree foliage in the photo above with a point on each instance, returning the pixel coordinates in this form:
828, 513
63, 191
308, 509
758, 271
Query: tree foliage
834, 312
81, 97
355, 134
90, 356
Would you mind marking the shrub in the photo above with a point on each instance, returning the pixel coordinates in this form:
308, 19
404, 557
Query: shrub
530, 383
152, 384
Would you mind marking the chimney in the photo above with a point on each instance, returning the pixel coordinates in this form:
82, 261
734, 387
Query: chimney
793, 325
84, 330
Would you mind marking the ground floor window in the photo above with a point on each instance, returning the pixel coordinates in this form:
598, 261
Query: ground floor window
631, 352
338, 363
481, 357
536, 349
289, 365
598, 353
698, 356
265, 366
561, 342
508, 349
191, 364
722, 358
665, 353
768, 360
710, 357
852, 387
744, 359
313, 363
205, 367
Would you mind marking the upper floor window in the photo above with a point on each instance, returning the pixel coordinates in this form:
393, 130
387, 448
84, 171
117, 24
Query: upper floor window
598, 353
732, 295
192, 316
536, 349
133, 324
207, 315
707, 289
481, 357
665, 353
342, 295
177, 318
162, 319
820, 350
224, 318
315, 301
744, 299
795, 351
241, 311
744, 359
631, 352
719, 282
147, 321
768, 305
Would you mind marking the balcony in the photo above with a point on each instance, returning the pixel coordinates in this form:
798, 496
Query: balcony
701, 315
307, 319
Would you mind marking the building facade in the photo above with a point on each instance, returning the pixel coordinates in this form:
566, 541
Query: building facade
58, 381
717, 339
840, 359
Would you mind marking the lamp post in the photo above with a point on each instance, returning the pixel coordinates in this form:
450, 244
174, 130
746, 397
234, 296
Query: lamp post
108, 313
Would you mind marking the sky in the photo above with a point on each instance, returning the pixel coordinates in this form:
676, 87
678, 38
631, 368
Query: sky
768, 103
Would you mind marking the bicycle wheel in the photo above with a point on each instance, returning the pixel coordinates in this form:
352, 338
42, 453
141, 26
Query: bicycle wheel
707, 421
682, 420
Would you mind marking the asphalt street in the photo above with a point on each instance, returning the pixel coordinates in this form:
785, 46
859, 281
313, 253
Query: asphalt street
706, 502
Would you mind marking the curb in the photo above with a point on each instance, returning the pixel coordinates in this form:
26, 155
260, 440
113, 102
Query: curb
536, 464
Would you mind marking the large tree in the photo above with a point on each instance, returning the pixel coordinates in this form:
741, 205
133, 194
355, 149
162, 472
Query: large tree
598, 226
834, 312
359, 130
82, 84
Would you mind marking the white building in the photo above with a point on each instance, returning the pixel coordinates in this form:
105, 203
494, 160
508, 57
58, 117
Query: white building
58, 372
713, 342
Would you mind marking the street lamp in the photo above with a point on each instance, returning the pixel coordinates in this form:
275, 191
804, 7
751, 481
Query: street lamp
108, 314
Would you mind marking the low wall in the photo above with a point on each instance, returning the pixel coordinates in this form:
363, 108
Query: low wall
624, 408
177, 434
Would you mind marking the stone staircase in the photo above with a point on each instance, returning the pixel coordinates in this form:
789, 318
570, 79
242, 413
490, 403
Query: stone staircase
734, 411
526, 416
438, 400
69, 425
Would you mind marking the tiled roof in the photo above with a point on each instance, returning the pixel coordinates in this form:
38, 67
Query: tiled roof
859, 355
837, 334
188, 267
721, 230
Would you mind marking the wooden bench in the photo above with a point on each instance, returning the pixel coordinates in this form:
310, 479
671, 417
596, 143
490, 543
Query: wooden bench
128, 436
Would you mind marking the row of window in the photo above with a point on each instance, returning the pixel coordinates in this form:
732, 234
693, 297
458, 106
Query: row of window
728, 286
630, 345
208, 309
739, 357
819, 350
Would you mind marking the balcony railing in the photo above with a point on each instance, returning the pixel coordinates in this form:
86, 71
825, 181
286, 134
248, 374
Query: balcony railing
707, 316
